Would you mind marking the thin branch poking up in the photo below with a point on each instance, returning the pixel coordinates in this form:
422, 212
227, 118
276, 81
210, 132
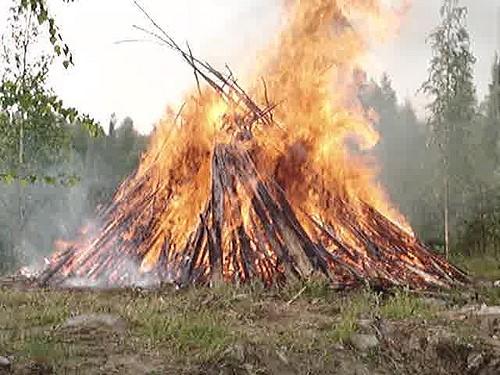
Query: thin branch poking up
194, 70
226, 86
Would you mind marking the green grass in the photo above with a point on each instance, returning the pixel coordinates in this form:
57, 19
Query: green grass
483, 266
32, 309
403, 305
201, 332
190, 328
42, 348
343, 330
353, 308
185, 331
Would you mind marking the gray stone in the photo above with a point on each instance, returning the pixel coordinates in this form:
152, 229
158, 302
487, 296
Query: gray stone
440, 337
365, 324
238, 351
282, 357
473, 310
96, 320
488, 310
338, 346
364, 343
474, 361
4, 363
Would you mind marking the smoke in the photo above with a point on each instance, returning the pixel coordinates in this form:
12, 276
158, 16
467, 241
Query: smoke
35, 215
130, 276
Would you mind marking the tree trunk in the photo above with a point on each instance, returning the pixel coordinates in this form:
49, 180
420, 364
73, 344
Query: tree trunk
446, 216
20, 194
482, 216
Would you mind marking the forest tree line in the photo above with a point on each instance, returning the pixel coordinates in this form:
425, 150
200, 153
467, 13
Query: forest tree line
444, 174
411, 170
57, 164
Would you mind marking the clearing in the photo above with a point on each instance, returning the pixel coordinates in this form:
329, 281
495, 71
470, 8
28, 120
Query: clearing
301, 329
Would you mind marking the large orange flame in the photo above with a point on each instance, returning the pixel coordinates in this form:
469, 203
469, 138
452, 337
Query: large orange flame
315, 72
316, 150
312, 71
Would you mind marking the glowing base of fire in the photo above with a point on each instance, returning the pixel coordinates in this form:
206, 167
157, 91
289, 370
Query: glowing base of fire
248, 231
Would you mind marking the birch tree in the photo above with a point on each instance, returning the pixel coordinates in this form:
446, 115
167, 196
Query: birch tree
33, 128
451, 90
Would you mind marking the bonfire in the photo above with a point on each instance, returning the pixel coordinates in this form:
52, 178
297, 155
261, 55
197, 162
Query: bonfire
262, 185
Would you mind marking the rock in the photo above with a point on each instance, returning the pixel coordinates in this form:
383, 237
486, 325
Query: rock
249, 369
282, 357
468, 311
365, 324
353, 368
474, 361
488, 310
96, 320
238, 352
384, 327
338, 346
364, 343
4, 363
489, 325
462, 312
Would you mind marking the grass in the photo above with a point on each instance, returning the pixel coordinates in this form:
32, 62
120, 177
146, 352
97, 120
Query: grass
200, 332
188, 329
357, 306
403, 305
42, 349
484, 266
369, 306
29, 311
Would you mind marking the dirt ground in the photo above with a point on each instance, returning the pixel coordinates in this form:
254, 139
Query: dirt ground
301, 329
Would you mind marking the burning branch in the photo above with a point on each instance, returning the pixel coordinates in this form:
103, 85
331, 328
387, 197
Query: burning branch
226, 86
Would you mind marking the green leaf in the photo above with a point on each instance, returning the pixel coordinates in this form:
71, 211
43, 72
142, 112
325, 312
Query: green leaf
8, 178
49, 180
71, 181
42, 16
24, 182
28, 97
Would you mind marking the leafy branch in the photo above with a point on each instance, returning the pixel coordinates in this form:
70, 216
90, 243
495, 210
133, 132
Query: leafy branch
45, 18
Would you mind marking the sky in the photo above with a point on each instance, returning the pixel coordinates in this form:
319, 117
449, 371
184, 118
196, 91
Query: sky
140, 79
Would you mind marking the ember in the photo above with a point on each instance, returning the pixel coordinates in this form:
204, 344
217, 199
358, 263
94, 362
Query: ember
231, 190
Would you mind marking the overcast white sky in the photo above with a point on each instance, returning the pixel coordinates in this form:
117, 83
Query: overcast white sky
139, 80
